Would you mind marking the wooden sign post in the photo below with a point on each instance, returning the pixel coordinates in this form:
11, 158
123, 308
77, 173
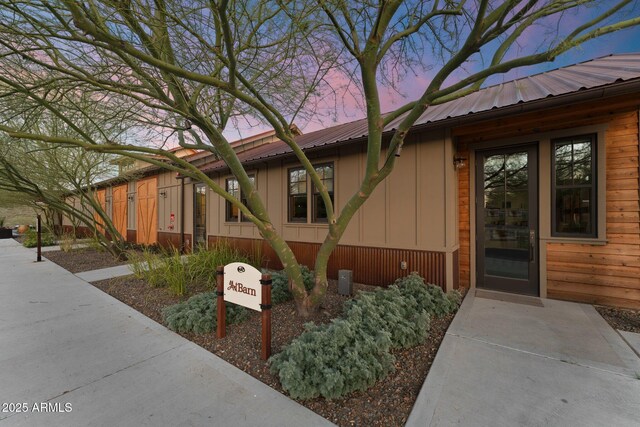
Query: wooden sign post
221, 330
266, 316
245, 286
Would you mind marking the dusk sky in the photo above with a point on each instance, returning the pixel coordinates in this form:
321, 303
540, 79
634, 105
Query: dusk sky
623, 41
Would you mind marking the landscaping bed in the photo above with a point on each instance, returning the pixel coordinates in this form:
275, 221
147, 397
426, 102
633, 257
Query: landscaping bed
387, 403
621, 318
83, 259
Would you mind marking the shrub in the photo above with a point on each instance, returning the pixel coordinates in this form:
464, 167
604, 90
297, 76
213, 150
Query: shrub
198, 314
67, 241
280, 284
353, 352
431, 297
399, 313
333, 360
31, 239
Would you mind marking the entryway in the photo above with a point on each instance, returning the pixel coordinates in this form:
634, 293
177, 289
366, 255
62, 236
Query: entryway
507, 219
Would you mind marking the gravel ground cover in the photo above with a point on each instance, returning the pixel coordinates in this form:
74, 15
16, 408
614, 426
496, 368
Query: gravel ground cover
388, 403
83, 259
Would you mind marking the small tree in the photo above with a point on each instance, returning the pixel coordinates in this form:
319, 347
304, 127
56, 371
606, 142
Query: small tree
193, 68
51, 178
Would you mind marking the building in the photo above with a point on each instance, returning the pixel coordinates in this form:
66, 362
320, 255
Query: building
529, 186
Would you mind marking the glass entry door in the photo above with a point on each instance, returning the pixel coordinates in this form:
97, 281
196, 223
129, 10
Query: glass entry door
200, 213
506, 220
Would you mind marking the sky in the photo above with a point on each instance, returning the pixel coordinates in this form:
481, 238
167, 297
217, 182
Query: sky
623, 41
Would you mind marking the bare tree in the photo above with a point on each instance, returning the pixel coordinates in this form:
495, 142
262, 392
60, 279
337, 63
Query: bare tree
195, 67
59, 181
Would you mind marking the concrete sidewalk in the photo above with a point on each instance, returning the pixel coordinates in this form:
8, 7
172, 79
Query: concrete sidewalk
518, 361
77, 357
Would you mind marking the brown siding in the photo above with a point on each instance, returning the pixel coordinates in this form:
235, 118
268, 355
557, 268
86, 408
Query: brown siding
371, 266
102, 200
464, 219
80, 232
171, 240
606, 274
120, 209
456, 269
147, 212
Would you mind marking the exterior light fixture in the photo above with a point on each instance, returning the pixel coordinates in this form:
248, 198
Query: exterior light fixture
163, 193
459, 161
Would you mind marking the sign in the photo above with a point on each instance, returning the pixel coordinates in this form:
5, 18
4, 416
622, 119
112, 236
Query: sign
242, 285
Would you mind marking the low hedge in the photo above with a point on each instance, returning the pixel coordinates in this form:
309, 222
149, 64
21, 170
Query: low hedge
280, 284
353, 352
198, 314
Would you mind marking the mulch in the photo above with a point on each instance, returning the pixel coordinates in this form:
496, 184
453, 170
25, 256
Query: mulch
83, 259
623, 319
388, 403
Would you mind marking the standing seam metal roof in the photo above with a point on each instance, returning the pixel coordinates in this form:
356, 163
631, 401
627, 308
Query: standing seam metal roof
591, 74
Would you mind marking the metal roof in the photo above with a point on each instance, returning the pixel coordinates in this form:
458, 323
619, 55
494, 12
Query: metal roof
578, 78
590, 74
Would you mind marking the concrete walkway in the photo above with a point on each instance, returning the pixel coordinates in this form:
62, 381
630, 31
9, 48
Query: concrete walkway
77, 357
518, 361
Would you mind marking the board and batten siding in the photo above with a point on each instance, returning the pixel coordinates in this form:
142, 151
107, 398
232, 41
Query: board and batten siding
605, 272
409, 216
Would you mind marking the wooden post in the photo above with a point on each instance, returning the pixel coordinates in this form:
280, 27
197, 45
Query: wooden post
266, 316
39, 258
221, 330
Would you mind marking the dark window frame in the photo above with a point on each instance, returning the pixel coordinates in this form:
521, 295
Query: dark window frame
316, 199
311, 196
229, 207
592, 185
291, 197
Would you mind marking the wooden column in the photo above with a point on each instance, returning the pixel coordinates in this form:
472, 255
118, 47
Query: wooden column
221, 330
266, 316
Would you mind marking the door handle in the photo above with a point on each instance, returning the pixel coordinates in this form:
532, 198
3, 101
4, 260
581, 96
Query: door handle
532, 245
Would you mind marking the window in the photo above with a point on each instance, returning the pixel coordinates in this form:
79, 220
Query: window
299, 191
232, 213
326, 176
297, 195
574, 187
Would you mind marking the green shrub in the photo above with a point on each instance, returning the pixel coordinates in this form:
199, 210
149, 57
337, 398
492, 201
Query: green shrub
399, 313
431, 297
31, 239
333, 360
353, 352
280, 284
199, 314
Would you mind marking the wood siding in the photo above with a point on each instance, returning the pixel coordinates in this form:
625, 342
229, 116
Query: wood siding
119, 217
146, 211
371, 266
101, 198
603, 272
608, 274
172, 240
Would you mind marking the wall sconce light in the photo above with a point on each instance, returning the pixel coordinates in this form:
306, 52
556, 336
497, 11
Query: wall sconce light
459, 161
130, 197
163, 193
